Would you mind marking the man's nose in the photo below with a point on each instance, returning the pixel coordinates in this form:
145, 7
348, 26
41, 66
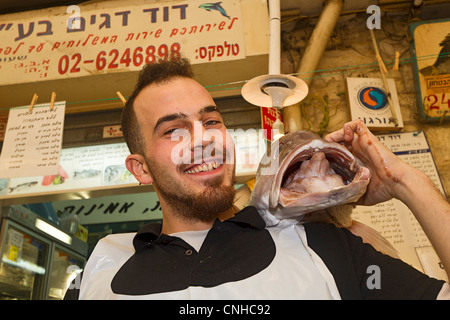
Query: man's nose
200, 138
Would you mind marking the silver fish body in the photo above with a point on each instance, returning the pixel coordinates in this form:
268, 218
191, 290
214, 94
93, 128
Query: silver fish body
302, 173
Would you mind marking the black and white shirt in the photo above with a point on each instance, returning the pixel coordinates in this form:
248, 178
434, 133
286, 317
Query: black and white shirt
241, 259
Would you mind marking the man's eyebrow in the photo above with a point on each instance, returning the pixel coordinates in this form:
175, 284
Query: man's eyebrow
209, 109
169, 117
177, 116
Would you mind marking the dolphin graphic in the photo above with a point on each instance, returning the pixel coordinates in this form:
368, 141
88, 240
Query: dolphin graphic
214, 6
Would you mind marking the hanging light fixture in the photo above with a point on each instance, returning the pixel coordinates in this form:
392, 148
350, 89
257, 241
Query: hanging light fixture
274, 89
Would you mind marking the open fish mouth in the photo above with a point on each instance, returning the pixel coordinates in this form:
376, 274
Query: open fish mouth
316, 176
309, 179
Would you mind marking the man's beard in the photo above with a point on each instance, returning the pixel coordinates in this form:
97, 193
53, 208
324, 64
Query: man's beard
205, 207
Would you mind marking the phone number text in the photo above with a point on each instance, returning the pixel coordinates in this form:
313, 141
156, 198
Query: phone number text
115, 59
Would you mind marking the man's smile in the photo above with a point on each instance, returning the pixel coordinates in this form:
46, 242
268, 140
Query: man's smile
204, 167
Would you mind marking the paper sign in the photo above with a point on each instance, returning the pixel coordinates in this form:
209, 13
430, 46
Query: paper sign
15, 245
33, 141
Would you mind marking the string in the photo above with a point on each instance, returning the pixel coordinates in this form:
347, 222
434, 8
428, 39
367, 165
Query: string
361, 67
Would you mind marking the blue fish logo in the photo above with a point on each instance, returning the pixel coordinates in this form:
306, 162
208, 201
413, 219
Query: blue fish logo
214, 6
372, 98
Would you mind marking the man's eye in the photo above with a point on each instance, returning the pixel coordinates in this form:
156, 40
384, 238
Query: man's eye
211, 123
175, 133
170, 131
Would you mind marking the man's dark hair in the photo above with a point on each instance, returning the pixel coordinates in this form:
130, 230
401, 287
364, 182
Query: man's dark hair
155, 73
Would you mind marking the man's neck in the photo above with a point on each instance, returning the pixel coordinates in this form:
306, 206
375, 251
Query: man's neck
172, 223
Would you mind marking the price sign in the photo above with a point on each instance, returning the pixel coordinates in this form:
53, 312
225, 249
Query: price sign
432, 74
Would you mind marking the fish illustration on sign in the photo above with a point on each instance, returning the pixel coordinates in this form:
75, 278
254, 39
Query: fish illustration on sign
214, 6
85, 174
22, 187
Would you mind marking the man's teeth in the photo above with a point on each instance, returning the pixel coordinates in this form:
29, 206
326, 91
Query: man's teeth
203, 168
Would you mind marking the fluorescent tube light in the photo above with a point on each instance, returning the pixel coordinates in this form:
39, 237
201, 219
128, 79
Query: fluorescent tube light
27, 265
54, 232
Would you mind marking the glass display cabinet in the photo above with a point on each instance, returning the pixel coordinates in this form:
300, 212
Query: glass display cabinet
38, 260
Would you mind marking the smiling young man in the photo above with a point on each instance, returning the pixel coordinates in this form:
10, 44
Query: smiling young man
194, 190
204, 250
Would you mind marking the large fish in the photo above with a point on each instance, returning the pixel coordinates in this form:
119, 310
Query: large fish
303, 177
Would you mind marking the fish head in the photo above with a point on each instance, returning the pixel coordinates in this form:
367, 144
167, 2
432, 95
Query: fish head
303, 173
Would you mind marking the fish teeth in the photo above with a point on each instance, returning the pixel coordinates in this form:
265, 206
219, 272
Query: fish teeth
203, 168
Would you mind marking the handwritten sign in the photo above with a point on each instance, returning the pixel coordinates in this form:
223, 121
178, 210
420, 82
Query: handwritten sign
33, 141
76, 41
393, 219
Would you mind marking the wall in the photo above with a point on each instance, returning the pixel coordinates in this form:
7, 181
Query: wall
351, 45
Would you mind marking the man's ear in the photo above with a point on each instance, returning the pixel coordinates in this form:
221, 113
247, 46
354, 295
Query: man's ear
137, 165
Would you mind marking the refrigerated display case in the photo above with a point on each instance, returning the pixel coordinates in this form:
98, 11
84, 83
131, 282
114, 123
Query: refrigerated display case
38, 260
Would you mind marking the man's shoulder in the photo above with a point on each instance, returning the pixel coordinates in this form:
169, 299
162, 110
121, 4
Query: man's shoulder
110, 253
116, 238
115, 243
317, 230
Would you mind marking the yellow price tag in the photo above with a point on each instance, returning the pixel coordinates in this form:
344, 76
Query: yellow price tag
13, 253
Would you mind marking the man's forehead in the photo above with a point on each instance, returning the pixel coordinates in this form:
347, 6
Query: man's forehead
182, 96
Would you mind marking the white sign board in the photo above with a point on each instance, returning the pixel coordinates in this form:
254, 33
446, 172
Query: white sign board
368, 100
116, 36
33, 141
